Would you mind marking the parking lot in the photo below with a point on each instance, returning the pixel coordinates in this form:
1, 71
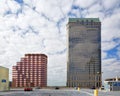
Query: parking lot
60, 92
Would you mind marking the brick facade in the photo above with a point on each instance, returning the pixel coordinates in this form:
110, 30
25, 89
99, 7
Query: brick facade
31, 71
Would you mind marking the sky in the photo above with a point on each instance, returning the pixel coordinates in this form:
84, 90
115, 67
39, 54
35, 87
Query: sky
39, 26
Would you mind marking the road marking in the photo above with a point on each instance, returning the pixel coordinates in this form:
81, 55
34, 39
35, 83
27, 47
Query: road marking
6, 93
86, 93
3, 93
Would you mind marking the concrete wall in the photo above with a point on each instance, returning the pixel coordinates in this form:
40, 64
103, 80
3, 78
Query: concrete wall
4, 79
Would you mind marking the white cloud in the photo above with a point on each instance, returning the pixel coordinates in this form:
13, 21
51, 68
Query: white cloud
96, 14
104, 55
110, 27
108, 45
51, 45
95, 8
3, 7
112, 21
57, 70
35, 29
49, 9
18, 39
110, 68
12, 3
116, 11
66, 6
108, 62
109, 4
84, 3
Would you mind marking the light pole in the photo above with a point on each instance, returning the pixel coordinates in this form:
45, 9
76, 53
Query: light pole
101, 79
97, 79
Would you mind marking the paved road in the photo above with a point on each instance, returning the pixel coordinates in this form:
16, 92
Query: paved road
103, 92
48, 92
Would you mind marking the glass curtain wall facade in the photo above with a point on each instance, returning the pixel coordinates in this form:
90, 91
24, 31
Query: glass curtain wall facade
84, 52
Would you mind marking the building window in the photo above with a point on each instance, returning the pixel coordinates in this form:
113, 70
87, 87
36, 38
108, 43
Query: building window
86, 22
3, 80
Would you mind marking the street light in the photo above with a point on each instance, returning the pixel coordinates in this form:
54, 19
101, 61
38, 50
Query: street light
99, 78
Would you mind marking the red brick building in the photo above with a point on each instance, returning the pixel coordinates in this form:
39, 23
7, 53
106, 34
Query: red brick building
31, 71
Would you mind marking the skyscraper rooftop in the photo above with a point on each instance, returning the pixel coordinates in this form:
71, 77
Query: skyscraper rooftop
84, 19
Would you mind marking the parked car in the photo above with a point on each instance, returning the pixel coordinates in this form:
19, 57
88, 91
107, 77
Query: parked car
93, 87
28, 89
56, 88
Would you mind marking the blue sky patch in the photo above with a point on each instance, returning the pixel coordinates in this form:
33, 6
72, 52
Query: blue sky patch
70, 14
19, 1
112, 53
8, 12
75, 7
116, 40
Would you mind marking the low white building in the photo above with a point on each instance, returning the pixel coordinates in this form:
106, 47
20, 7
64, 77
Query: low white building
112, 84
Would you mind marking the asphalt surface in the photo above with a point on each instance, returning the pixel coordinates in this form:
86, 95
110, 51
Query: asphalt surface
45, 93
60, 92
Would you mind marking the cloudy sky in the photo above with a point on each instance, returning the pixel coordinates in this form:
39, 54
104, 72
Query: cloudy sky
39, 26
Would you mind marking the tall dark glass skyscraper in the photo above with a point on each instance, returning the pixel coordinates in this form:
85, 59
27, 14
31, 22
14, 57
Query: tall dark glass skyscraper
84, 52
